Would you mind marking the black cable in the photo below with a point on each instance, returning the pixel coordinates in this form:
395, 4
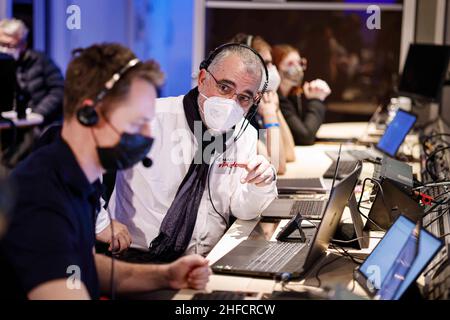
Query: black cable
248, 119
209, 190
382, 196
353, 240
238, 136
442, 183
431, 157
317, 275
346, 253
352, 290
437, 217
436, 205
112, 283
429, 137
341, 255
436, 266
445, 235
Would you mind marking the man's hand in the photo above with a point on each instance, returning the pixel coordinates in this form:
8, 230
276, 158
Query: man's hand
122, 238
259, 172
269, 104
188, 272
317, 89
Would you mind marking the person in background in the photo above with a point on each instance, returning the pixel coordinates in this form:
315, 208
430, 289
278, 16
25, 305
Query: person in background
109, 102
278, 145
303, 117
39, 82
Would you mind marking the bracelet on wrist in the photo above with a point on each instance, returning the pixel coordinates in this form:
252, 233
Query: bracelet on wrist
272, 125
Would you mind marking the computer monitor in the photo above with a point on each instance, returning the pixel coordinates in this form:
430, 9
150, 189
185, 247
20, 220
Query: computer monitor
396, 132
425, 71
397, 260
7, 82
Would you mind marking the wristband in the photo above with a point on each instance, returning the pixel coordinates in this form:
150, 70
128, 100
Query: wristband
272, 125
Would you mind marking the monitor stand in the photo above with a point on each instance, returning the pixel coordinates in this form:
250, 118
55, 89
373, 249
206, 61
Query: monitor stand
354, 230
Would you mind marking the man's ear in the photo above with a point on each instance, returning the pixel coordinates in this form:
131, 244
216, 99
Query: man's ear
201, 78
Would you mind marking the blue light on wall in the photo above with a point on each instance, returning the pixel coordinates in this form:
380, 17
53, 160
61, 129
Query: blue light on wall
157, 29
163, 31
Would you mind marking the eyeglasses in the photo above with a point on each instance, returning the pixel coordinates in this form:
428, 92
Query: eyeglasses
303, 63
227, 90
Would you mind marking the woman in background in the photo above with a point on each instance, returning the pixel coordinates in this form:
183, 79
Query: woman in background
304, 122
278, 144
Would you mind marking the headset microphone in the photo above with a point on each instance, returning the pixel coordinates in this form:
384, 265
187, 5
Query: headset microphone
147, 162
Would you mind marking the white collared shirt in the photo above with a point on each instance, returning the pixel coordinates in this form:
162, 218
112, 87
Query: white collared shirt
142, 195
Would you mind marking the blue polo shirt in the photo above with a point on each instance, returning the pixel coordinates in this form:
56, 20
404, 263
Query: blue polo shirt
52, 231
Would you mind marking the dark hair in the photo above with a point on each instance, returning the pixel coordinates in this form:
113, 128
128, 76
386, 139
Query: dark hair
92, 67
256, 42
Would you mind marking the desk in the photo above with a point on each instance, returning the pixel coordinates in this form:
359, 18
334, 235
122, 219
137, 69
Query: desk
311, 162
339, 272
342, 130
32, 120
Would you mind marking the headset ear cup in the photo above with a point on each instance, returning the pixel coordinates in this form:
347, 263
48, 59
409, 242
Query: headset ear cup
87, 116
203, 65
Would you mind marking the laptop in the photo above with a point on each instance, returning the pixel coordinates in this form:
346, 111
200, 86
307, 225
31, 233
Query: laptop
301, 186
389, 144
310, 207
398, 259
269, 259
7, 82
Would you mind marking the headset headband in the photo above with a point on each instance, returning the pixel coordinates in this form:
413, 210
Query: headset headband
207, 62
109, 85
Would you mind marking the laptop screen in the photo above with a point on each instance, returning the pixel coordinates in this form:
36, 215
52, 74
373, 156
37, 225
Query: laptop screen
398, 259
7, 82
424, 79
396, 132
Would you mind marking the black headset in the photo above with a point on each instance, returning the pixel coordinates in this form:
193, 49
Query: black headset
207, 62
87, 115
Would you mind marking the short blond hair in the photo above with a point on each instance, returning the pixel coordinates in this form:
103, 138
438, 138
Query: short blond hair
14, 28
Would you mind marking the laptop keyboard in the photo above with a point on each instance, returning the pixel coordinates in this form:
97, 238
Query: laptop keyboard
273, 257
309, 208
345, 168
219, 295
360, 154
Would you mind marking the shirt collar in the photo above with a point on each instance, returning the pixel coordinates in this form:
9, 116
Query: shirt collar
72, 174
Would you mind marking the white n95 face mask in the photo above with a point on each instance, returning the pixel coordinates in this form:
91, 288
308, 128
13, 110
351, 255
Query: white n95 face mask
274, 78
221, 114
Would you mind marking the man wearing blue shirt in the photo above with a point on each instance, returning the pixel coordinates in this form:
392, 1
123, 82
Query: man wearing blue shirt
48, 250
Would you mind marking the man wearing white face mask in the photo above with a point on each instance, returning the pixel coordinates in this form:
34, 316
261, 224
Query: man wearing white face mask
275, 138
205, 168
